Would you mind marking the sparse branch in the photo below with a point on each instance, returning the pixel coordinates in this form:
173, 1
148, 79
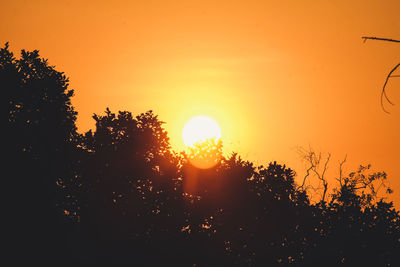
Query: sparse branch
365, 38
340, 179
306, 176
314, 161
326, 165
323, 179
383, 93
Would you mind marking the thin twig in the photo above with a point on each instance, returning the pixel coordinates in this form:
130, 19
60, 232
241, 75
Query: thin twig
341, 170
324, 182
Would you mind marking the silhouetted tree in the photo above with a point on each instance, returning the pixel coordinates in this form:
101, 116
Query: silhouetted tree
41, 132
134, 193
349, 228
120, 196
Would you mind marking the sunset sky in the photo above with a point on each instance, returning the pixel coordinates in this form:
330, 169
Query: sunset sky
275, 75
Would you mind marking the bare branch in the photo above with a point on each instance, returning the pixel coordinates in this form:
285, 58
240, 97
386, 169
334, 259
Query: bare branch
305, 176
314, 162
365, 38
341, 171
326, 165
324, 182
383, 94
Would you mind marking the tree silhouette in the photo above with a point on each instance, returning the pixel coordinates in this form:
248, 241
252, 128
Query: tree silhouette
120, 196
41, 133
133, 192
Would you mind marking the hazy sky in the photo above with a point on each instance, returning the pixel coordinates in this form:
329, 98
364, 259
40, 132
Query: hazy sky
275, 74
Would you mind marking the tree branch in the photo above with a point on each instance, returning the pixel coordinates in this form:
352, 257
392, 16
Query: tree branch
365, 38
340, 179
315, 161
383, 93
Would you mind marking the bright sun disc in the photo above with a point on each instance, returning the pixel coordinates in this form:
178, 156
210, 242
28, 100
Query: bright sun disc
199, 129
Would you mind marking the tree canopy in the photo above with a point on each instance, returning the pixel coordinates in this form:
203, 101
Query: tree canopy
119, 195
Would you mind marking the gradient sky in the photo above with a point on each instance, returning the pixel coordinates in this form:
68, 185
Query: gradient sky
276, 75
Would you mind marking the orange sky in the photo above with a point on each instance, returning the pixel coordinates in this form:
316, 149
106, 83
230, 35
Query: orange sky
274, 74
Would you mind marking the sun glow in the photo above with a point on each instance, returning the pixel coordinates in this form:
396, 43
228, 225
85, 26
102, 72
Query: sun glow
200, 129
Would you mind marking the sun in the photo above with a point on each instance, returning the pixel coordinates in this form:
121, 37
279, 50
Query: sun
199, 129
